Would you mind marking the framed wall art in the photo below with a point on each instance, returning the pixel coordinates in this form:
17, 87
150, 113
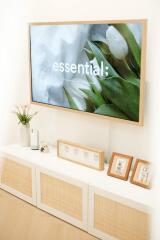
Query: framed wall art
141, 175
119, 166
93, 67
90, 157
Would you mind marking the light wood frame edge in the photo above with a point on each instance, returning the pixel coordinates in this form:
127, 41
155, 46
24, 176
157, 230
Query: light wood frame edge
134, 171
130, 159
100, 152
142, 77
141, 20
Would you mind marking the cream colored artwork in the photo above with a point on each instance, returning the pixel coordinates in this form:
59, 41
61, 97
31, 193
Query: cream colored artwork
120, 165
143, 175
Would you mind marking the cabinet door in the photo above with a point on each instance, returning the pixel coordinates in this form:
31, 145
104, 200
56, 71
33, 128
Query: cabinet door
18, 178
63, 197
116, 219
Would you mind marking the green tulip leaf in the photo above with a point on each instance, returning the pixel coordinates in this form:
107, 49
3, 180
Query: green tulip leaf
103, 47
101, 59
111, 110
124, 94
133, 45
90, 107
95, 98
121, 66
92, 85
89, 53
70, 100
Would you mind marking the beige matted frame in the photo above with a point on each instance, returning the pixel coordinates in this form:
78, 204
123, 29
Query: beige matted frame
142, 75
129, 158
82, 148
134, 172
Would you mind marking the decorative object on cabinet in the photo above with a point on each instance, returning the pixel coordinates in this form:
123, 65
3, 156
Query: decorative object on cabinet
34, 139
119, 166
24, 118
90, 157
44, 147
24, 135
106, 75
141, 175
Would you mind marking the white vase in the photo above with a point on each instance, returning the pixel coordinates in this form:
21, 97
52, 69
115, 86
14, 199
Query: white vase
25, 135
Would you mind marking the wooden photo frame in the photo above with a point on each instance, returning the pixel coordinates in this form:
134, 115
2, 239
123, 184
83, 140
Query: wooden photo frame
119, 166
87, 156
141, 174
49, 95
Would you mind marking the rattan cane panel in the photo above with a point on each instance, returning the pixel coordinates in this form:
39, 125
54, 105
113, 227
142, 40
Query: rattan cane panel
17, 176
120, 221
61, 195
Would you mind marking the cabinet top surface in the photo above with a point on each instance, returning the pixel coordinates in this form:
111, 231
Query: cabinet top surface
98, 179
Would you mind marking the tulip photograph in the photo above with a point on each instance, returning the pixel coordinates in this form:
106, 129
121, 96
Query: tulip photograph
93, 68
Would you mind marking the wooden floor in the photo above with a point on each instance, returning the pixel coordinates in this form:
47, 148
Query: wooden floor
21, 221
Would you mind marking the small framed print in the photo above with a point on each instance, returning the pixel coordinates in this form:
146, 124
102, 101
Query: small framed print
90, 157
141, 174
119, 166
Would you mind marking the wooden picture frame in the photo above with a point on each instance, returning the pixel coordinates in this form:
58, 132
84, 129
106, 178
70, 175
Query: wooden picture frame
87, 156
145, 175
118, 168
140, 121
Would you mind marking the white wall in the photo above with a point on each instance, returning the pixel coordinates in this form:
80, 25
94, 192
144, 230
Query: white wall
53, 124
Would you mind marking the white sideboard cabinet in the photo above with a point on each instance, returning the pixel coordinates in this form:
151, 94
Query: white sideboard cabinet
18, 178
63, 197
112, 217
106, 207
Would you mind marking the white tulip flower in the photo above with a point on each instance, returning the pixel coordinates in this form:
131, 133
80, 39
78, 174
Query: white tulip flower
117, 44
73, 87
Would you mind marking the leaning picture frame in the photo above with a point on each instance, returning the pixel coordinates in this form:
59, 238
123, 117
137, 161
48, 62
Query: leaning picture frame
141, 174
83, 155
119, 166
51, 85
